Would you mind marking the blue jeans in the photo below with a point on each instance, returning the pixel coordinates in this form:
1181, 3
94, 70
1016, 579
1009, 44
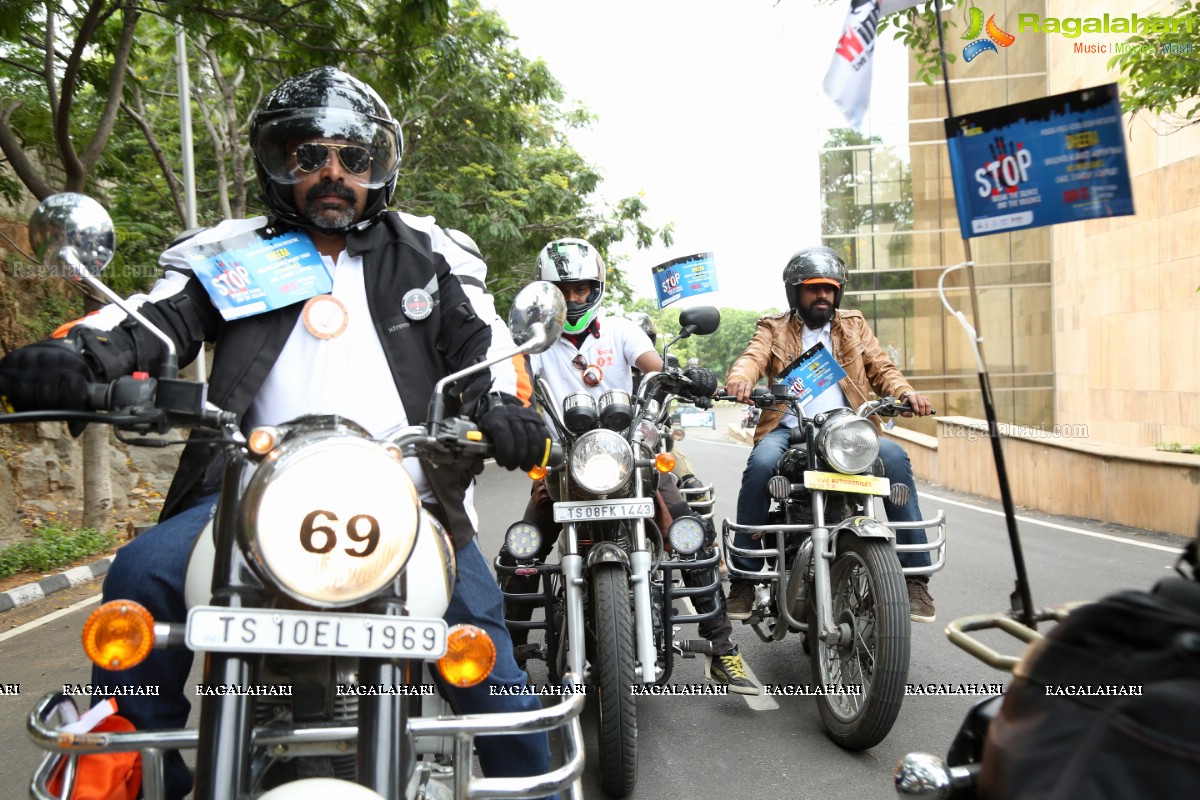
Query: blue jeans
754, 501
151, 569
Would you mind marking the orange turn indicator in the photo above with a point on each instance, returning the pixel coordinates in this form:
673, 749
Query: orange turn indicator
470, 656
118, 635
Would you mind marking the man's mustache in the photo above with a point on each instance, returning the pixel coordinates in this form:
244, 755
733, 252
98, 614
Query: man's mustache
334, 188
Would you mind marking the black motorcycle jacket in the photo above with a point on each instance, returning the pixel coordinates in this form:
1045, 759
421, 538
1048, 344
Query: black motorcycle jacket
399, 254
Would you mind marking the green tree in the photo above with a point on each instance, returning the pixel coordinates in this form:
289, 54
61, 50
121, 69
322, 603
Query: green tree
487, 152
1161, 71
718, 350
88, 104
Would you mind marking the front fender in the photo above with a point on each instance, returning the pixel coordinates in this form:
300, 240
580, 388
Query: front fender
865, 527
607, 552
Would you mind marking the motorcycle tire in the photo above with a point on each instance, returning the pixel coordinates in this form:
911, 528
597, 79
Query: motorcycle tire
613, 677
869, 596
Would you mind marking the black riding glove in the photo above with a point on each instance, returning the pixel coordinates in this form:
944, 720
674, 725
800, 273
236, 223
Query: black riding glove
518, 433
48, 375
704, 383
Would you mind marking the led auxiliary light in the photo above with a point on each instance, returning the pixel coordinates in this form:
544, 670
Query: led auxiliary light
522, 539
686, 535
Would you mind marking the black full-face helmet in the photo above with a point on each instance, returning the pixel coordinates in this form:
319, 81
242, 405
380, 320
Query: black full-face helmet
646, 323
324, 103
814, 265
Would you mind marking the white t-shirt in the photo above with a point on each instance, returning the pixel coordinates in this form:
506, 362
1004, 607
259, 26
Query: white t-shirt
619, 345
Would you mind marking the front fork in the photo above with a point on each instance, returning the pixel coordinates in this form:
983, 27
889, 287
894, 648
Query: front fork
224, 747
640, 563
822, 555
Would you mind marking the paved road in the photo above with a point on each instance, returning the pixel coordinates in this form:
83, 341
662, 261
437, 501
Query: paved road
725, 746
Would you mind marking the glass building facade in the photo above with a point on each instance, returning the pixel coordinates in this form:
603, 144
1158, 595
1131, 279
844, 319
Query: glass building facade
888, 208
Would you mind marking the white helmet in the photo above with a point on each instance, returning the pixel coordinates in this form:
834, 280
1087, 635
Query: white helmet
569, 261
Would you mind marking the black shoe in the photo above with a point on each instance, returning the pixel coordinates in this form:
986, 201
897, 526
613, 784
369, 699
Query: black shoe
730, 670
741, 600
920, 602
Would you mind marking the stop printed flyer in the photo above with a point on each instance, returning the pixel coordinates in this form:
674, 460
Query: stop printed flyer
1041, 162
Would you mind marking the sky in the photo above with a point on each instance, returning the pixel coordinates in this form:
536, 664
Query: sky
714, 110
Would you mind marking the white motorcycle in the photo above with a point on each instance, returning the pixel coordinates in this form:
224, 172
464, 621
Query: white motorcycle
307, 577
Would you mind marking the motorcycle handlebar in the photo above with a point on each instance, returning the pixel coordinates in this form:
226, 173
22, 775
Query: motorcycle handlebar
763, 398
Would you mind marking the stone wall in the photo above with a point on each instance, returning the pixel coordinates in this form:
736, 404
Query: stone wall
41, 480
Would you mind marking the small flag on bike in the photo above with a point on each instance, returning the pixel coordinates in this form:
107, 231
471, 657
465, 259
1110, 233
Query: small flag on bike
684, 277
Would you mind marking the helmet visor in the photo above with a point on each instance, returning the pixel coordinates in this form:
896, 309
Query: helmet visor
297, 143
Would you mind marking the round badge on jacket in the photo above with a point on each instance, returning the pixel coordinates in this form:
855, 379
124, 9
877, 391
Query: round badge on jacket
417, 304
325, 317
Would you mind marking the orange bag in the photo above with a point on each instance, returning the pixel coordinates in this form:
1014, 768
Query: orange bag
105, 776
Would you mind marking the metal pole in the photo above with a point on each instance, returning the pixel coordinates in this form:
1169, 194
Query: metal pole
189, 167
1022, 592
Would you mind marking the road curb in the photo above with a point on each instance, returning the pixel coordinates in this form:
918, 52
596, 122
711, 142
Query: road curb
740, 434
31, 592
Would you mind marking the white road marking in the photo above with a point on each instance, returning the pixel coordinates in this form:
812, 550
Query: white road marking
40, 621
1056, 526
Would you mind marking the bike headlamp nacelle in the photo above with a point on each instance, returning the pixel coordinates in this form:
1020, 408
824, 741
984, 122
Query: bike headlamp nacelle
330, 518
849, 443
601, 462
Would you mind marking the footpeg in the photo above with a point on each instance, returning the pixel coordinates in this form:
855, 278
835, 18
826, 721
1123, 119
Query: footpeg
688, 648
526, 651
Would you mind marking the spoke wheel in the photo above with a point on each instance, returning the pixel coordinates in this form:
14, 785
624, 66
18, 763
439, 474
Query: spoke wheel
870, 609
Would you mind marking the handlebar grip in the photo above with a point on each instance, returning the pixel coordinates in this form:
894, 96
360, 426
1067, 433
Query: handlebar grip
557, 455
127, 391
98, 396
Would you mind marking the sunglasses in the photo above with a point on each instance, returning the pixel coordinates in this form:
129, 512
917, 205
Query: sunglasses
311, 156
591, 375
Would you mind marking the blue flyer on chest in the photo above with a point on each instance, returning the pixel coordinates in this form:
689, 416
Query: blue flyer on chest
260, 270
684, 277
812, 373
1041, 162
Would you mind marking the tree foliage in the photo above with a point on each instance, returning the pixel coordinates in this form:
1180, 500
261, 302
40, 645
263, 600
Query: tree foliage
718, 350
1162, 70
485, 128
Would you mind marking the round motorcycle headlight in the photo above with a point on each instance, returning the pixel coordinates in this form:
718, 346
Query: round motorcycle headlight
848, 442
330, 519
523, 540
686, 535
601, 461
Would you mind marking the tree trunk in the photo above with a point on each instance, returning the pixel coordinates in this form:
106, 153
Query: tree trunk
97, 483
